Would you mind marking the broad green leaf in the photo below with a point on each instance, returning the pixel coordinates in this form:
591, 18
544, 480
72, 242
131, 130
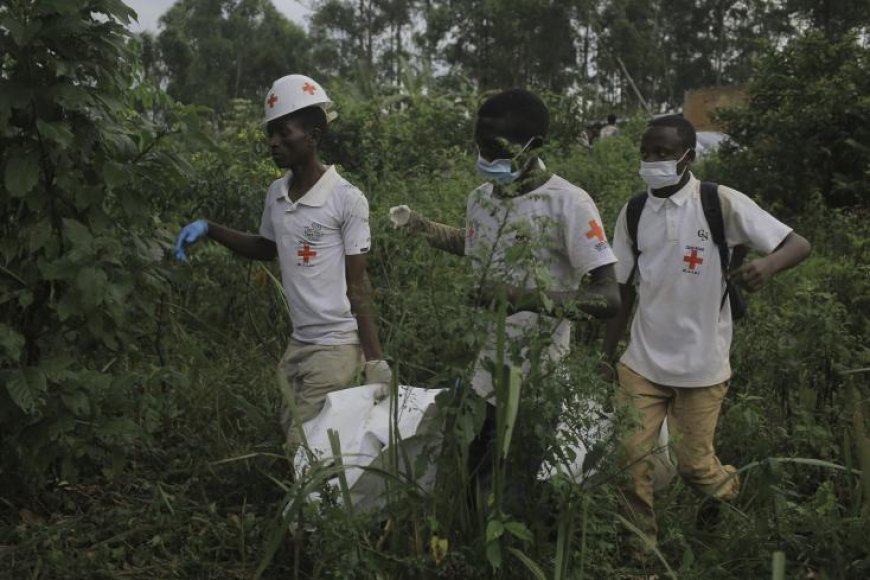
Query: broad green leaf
57, 132
72, 96
511, 408
115, 174
493, 554
21, 173
519, 531
40, 235
77, 233
11, 342
24, 387
77, 402
92, 282
61, 269
494, 529
36, 380
64, 7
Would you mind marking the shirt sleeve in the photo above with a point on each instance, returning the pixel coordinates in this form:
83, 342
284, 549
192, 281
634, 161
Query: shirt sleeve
585, 239
355, 230
267, 230
622, 248
747, 224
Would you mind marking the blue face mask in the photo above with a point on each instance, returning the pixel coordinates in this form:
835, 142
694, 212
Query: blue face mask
500, 170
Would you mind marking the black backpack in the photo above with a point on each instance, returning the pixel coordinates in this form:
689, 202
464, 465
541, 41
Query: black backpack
713, 213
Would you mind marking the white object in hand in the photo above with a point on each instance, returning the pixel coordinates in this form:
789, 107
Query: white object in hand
400, 215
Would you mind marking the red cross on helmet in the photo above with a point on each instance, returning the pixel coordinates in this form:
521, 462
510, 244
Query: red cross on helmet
294, 92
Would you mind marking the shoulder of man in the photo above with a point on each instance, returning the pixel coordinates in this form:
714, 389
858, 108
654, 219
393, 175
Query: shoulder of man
561, 187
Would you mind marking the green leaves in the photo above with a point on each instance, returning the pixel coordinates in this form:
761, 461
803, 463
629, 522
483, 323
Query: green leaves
73, 192
25, 387
11, 343
21, 173
56, 132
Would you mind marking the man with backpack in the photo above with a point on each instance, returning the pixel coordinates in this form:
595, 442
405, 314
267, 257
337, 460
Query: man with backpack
678, 245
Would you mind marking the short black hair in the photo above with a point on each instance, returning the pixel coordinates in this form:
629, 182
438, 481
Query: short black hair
611, 119
685, 129
309, 118
525, 114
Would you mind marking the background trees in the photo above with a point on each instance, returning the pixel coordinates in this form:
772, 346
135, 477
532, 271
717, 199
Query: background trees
212, 51
138, 431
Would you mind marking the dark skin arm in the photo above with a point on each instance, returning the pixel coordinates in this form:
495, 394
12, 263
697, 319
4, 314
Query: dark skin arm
359, 292
755, 274
615, 329
599, 299
440, 236
252, 246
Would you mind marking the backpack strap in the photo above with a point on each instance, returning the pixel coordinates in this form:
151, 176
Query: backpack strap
712, 206
632, 218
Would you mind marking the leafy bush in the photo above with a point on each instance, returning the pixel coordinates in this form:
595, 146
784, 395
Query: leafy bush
804, 131
81, 274
160, 373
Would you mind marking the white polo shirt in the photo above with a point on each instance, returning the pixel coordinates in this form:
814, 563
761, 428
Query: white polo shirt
549, 238
679, 335
313, 236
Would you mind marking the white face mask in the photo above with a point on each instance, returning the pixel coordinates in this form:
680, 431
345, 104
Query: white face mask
500, 170
659, 174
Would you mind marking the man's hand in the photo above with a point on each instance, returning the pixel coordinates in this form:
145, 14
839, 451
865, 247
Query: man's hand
190, 234
378, 372
403, 217
607, 371
755, 274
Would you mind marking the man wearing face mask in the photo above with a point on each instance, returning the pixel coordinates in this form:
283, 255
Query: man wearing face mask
524, 209
317, 224
676, 364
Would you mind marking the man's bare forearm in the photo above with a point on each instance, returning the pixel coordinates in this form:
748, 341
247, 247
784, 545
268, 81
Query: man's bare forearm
439, 236
616, 326
359, 293
444, 237
251, 246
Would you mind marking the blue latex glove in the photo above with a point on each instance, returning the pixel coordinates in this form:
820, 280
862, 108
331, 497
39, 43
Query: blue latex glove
190, 234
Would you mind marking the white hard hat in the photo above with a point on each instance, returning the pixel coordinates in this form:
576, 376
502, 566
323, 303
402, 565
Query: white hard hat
294, 92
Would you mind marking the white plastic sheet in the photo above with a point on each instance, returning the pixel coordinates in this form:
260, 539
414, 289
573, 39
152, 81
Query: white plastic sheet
363, 427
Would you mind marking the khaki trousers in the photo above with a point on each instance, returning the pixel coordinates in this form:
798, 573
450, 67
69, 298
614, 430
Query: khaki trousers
692, 413
309, 372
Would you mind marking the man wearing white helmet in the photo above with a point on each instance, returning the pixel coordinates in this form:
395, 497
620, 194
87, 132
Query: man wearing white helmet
317, 224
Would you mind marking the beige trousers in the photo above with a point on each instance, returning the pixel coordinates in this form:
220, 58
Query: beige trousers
309, 372
692, 413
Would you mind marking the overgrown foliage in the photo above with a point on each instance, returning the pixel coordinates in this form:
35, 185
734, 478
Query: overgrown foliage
138, 406
82, 275
802, 138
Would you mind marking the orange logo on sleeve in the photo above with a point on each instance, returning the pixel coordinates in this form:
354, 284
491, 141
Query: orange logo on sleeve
595, 231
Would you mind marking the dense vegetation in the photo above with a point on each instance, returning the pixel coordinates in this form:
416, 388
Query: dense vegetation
138, 406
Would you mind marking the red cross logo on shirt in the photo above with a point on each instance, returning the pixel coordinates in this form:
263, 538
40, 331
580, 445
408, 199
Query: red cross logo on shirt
306, 253
693, 259
595, 231
309, 88
273, 98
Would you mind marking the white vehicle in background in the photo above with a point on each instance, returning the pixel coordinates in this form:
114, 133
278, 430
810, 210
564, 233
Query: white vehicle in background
709, 141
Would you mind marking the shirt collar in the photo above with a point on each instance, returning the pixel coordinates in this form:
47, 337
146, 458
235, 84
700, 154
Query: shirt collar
319, 192
678, 198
